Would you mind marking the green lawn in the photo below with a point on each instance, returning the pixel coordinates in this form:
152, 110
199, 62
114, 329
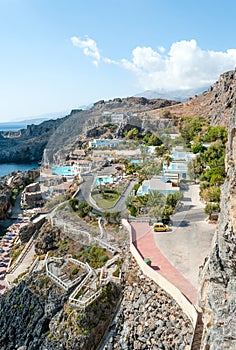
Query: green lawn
105, 203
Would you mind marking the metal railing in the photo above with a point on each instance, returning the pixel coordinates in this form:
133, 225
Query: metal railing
84, 303
22, 255
58, 280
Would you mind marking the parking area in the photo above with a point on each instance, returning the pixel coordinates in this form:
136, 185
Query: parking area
187, 243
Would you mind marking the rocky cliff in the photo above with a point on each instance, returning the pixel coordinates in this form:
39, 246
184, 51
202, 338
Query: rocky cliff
216, 104
28, 144
218, 276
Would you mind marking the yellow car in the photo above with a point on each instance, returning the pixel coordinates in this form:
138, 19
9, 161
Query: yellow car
160, 227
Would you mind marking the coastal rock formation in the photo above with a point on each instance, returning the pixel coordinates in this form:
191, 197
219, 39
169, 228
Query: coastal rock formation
10, 186
48, 239
5, 201
26, 232
218, 276
29, 145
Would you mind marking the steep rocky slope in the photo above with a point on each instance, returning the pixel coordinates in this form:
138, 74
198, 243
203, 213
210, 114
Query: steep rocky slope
28, 144
218, 276
216, 103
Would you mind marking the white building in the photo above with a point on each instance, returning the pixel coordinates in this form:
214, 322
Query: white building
82, 167
118, 118
157, 183
98, 143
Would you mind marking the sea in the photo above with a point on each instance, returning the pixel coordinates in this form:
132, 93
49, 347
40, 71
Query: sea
12, 126
7, 168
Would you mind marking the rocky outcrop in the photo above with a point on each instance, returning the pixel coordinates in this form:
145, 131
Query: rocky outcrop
148, 318
26, 312
35, 316
29, 145
77, 329
218, 276
48, 239
26, 232
216, 104
10, 186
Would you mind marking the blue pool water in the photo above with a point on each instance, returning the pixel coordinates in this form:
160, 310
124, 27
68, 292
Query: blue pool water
135, 161
63, 170
102, 180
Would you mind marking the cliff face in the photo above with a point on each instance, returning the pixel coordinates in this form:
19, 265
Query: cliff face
216, 104
218, 276
28, 145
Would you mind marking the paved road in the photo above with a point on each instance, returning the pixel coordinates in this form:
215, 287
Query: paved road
189, 241
85, 190
16, 210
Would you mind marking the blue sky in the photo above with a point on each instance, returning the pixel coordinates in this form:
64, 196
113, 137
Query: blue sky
60, 54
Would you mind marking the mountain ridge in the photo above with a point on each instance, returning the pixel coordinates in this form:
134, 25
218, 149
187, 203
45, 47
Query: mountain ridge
176, 95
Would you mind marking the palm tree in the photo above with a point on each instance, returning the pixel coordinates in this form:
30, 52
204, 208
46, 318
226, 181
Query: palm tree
167, 158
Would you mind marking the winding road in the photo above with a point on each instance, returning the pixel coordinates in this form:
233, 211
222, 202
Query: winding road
85, 191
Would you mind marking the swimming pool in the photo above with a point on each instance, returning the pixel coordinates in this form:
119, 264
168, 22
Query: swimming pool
63, 171
135, 161
102, 180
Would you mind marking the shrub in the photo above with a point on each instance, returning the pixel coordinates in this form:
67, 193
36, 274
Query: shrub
116, 273
133, 210
103, 258
75, 271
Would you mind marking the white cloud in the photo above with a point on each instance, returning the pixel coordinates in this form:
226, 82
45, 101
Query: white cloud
184, 66
161, 49
89, 47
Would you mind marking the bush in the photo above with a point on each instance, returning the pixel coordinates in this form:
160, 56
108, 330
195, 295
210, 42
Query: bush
74, 203
75, 271
116, 273
212, 208
103, 258
133, 210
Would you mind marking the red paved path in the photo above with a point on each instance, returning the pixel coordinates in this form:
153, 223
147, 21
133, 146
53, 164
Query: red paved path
148, 249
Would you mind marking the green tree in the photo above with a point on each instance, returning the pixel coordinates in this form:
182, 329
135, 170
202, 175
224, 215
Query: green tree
172, 199
154, 141
74, 203
211, 208
167, 212
198, 148
160, 150
132, 134
83, 209
215, 133
167, 159
211, 194
191, 127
